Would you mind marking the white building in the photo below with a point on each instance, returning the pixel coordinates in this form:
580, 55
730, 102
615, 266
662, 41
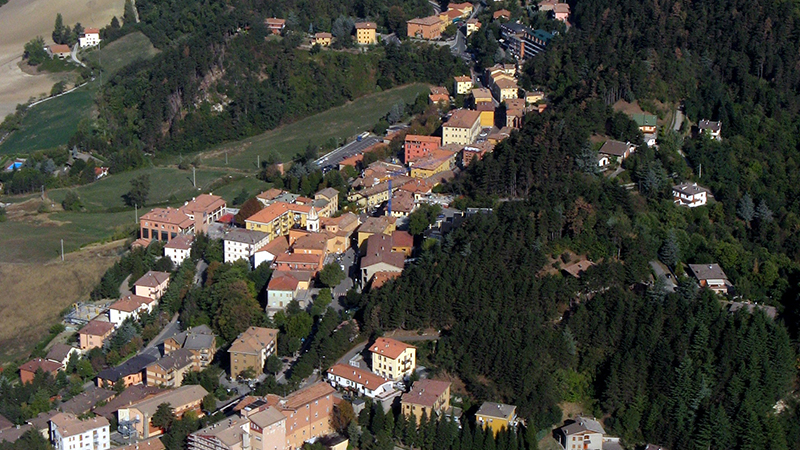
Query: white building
179, 248
581, 433
690, 195
242, 244
463, 127
89, 38
69, 433
359, 380
129, 306
712, 129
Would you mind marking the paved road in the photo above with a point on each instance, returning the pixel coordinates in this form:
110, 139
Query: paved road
170, 330
616, 172
360, 347
335, 157
677, 121
349, 261
664, 273
74, 55
199, 271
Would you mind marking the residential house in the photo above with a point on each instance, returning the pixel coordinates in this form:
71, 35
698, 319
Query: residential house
86, 400
67, 432
269, 252
200, 341
472, 26
269, 196
481, 96
532, 97
465, 8
308, 412
711, 276
647, 125
100, 172
416, 146
169, 370
418, 188
502, 14
375, 225
204, 210
711, 129
425, 27
690, 195
278, 218
475, 151
439, 95
393, 359
487, 114
345, 224
578, 268
379, 257
61, 51
462, 128
428, 397
438, 161
323, 39
131, 395
251, 349
463, 85
496, 416
359, 381
275, 25
268, 429
561, 12
366, 33
603, 161
89, 38
164, 224
582, 433
148, 444
230, 434
130, 372
138, 416
153, 284
61, 353
504, 89
179, 248
617, 150
242, 244
94, 334
298, 261
327, 202
515, 112
130, 306
28, 370
402, 204
281, 290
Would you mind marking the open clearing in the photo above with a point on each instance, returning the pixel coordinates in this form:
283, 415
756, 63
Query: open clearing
35, 294
23, 20
342, 122
51, 123
125, 50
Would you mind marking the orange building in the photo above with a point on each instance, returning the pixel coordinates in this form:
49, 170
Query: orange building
425, 27
28, 370
366, 33
275, 25
164, 224
94, 334
416, 146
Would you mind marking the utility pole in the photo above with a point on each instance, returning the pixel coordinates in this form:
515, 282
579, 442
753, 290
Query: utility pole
226, 158
258, 162
136, 211
194, 177
42, 192
62, 249
701, 171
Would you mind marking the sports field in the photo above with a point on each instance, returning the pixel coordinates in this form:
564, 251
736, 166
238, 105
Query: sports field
285, 142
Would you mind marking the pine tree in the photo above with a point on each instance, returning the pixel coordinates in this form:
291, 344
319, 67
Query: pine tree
670, 252
58, 30
763, 213
746, 209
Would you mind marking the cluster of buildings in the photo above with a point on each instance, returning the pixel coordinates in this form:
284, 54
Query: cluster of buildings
90, 37
432, 27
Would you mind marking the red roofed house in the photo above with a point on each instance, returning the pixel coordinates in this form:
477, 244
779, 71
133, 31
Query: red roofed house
94, 334
275, 25
153, 284
299, 261
379, 257
464, 8
416, 146
380, 278
100, 172
561, 11
204, 210
281, 290
129, 306
429, 397
164, 224
361, 381
89, 38
28, 370
59, 50
439, 94
425, 27
179, 248
393, 359
502, 14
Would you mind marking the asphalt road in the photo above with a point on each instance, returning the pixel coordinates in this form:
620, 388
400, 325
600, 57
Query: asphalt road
346, 151
349, 261
360, 347
663, 272
153, 348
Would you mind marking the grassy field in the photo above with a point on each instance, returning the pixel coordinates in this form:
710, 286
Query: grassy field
125, 50
290, 140
51, 123
34, 294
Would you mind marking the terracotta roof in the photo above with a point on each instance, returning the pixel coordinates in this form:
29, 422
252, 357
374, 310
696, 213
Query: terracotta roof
389, 347
130, 303
59, 352
328, 193
275, 21
311, 241
464, 79
60, 48
297, 258
131, 395
358, 375
229, 432
39, 363
177, 398
463, 118
502, 13
96, 328
460, 6
150, 444
482, 94
376, 224
152, 278
282, 281
366, 25
168, 215
421, 138
304, 396
497, 410
181, 242
505, 83
270, 194
426, 21
379, 250
352, 161
91, 31
402, 239
381, 277
577, 269
403, 201
203, 203
323, 35
253, 340
425, 392
69, 425
416, 186
276, 246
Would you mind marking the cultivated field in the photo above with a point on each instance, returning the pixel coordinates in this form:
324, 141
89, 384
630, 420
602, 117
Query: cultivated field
287, 141
51, 123
34, 294
23, 20
125, 50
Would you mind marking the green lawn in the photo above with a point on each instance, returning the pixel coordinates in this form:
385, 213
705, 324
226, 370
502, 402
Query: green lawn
125, 50
51, 123
286, 142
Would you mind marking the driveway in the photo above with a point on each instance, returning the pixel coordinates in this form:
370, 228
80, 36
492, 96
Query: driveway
677, 121
74, 56
170, 330
353, 148
663, 272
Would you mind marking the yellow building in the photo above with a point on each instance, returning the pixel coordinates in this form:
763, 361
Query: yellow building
463, 85
481, 96
505, 89
438, 161
429, 397
462, 128
366, 33
472, 26
393, 359
376, 225
323, 39
496, 416
533, 97
278, 218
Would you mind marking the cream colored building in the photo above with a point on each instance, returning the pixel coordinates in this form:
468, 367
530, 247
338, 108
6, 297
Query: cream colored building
393, 359
463, 85
463, 127
429, 397
366, 33
251, 350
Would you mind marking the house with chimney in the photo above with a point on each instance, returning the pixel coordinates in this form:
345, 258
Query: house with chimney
428, 397
581, 433
711, 276
393, 359
359, 381
251, 349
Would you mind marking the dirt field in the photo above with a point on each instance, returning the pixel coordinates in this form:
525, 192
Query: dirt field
34, 294
23, 20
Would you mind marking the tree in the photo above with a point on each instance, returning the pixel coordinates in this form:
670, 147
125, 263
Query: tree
129, 15
241, 197
58, 30
746, 209
274, 364
396, 113
140, 190
247, 209
343, 416
35, 52
72, 202
163, 417
422, 218
763, 213
670, 252
321, 303
331, 275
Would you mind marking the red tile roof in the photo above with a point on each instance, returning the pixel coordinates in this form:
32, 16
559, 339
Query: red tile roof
282, 281
358, 375
425, 392
39, 363
389, 347
130, 303
97, 328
